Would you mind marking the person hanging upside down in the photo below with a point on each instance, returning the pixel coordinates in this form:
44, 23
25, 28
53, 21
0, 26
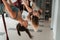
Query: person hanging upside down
33, 15
15, 14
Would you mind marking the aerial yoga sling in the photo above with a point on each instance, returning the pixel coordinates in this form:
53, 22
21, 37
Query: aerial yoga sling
3, 18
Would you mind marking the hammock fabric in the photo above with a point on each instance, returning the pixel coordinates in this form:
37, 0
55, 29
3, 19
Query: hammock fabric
2, 13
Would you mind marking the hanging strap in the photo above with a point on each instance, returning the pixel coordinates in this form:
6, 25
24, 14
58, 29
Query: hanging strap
7, 38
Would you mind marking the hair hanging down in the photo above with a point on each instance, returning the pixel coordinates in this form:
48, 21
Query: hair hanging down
35, 23
35, 20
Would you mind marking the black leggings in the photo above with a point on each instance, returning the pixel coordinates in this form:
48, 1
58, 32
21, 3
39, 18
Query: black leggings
22, 28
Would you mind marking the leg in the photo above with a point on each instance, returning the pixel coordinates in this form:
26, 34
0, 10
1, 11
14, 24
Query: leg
18, 29
27, 31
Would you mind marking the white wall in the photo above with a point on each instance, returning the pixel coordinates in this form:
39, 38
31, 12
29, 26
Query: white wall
58, 23
53, 17
53, 9
56, 19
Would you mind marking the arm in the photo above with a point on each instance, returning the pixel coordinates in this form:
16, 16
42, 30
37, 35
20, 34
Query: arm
8, 8
27, 7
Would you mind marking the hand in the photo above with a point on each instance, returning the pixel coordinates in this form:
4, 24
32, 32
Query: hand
35, 13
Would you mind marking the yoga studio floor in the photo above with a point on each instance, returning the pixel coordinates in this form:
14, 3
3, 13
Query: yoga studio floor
44, 32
